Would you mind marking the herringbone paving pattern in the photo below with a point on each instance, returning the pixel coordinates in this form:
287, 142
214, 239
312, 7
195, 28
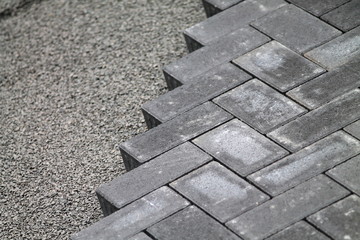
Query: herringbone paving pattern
258, 137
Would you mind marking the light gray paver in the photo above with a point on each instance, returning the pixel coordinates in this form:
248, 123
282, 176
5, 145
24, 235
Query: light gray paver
338, 51
317, 7
135, 217
328, 86
146, 178
279, 66
306, 163
348, 174
345, 17
296, 28
219, 191
171, 134
299, 231
287, 208
259, 106
239, 147
140, 236
340, 220
319, 123
189, 224
354, 129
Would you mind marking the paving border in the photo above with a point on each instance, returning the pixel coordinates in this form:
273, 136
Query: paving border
258, 137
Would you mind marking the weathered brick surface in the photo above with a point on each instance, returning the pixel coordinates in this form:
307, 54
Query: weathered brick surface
278, 66
213, 7
213, 182
140, 236
288, 208
317, 7
296, 28
354, 129
259, 106
340, 220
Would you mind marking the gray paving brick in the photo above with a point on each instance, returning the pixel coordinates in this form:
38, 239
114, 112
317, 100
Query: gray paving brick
348, 174
203, 88
213, 7
306, 163
319, 123
135, 217
146, 178
299, 231
327, 86
338, 51
354, 129
345, 17
296, 28
259, 106
288, 208
239, 147
218, 191
168, 135
188, 224
231, 46
278, 66
230, 20
140, 236
317, 7
340, 220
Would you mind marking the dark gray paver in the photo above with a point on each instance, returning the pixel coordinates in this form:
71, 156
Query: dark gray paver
354, 129
317, 7
259, 105
306, 163
135, 217
201, 89
319, 123
213, 7
230, 20
231, 46
348, 174
328, 86
338, 51
345, 17
189, 224
278, 66
140, 236
171, 134
146, 178
296, 28
218, 191
287, 208
299, 231
340, 220
240, 147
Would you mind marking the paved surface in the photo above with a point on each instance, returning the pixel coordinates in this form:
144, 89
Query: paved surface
73, 75
259, 138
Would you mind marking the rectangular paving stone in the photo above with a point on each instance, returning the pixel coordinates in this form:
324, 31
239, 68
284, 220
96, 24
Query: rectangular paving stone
306, 163
240, 147
348, 174
140, 236
231, 46
188, 224
354, 129
340, 220
135, 217
345, 17
338, 51
146, 178
218, 191
299, 231
213, 7
287, 208
319, 123
259, 106
317, 7
278, 66
240, 15
295, 28
166, 136
328, 86
203, 88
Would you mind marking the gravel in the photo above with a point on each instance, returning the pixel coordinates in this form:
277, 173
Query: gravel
73, 75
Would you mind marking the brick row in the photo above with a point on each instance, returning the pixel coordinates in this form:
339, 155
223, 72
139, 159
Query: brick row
316, 7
